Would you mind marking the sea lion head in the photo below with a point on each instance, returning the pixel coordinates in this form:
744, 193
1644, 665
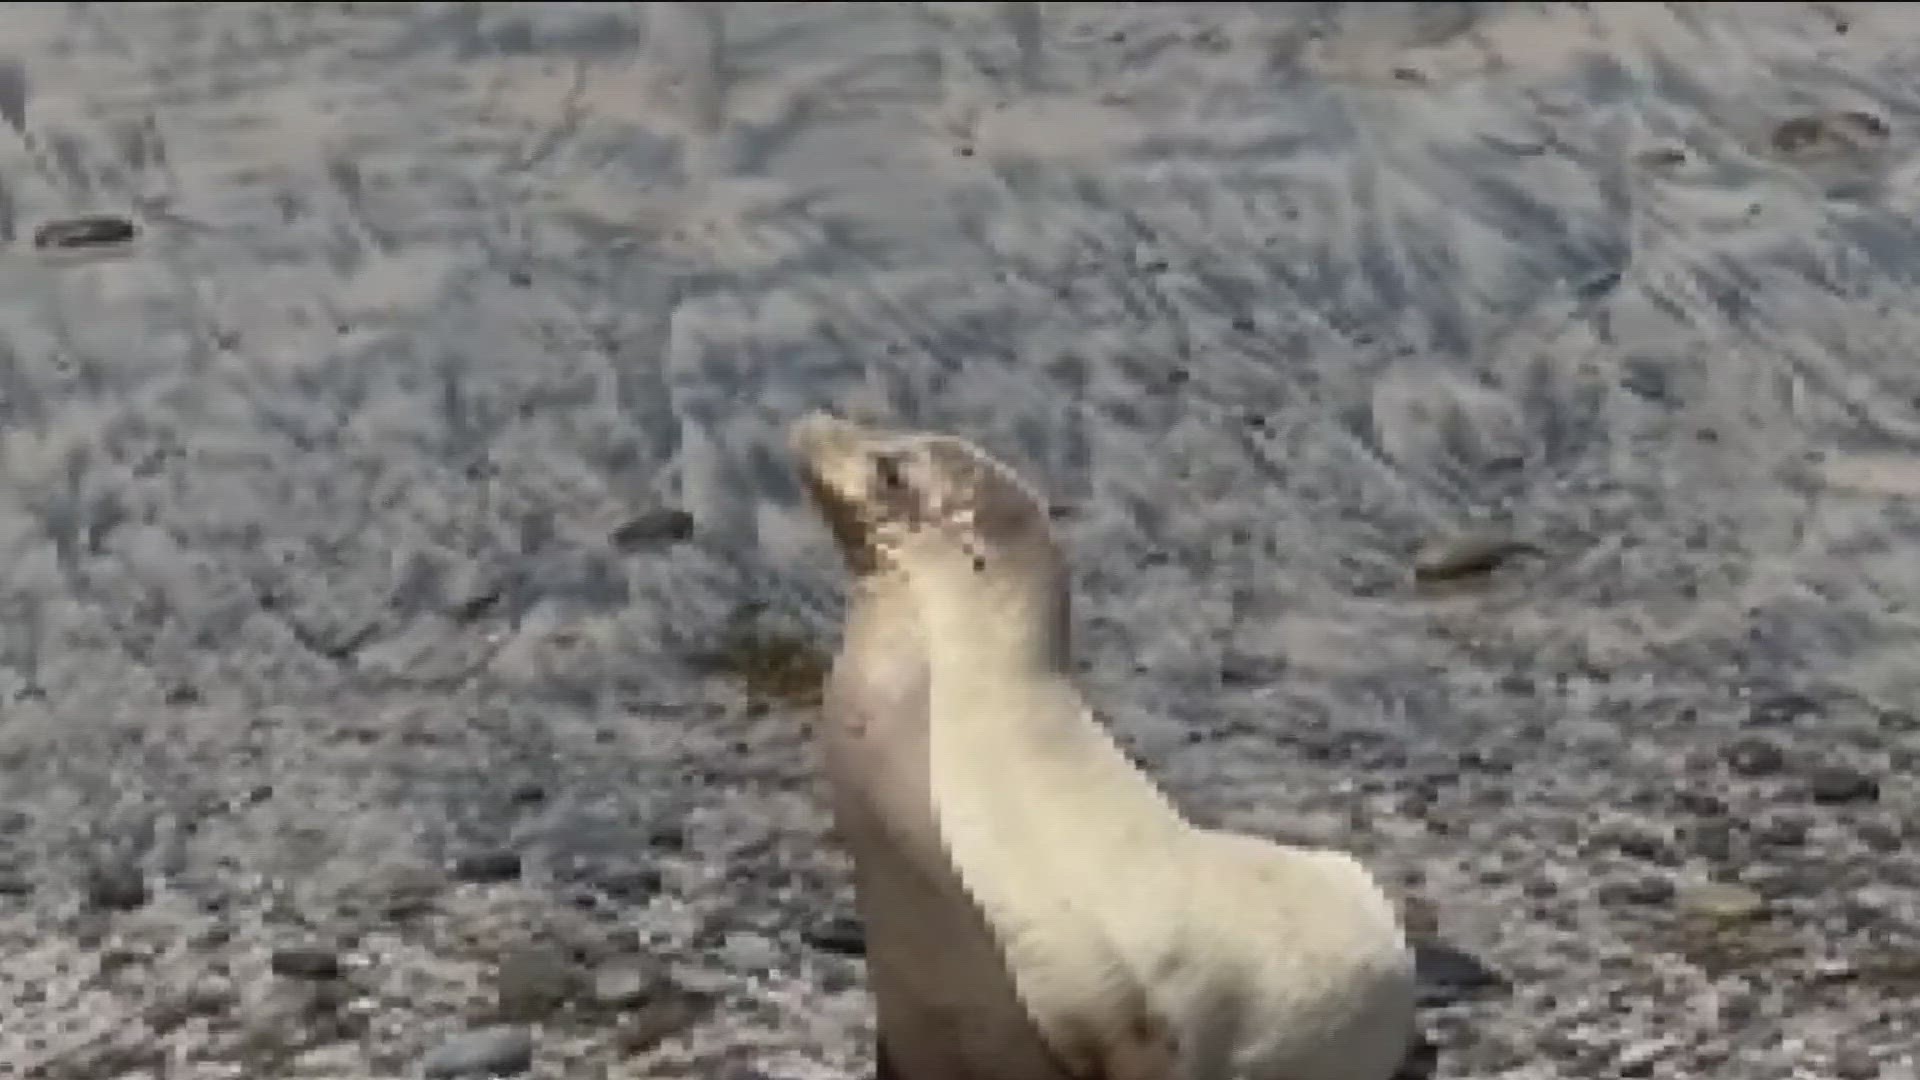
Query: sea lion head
897, 501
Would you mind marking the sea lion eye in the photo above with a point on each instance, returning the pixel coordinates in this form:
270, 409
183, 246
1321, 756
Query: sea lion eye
887, 468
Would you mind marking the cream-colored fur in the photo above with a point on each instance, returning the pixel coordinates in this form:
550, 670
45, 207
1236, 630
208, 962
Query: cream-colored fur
1143, 946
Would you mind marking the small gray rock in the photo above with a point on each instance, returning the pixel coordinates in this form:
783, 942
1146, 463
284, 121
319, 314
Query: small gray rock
1835, 784
621, 984
500, 1050
534, 983
631, 885
1755, 757
1781, 831
1644, 889
486, 867
85, 231
842, 935
116, 886
659, 526
1447, 974
1853, 1063
1712, 840
1775, 710
670, 1010
1721, 902
749, 953
309, 964
1471, 555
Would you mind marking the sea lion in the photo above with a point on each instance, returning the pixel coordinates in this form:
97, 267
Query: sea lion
945, 1003
1137, 945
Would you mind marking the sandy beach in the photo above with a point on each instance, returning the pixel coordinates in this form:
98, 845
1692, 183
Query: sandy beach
1487, 437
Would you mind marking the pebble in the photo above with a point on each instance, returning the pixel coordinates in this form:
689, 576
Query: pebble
669, 1010
842, 935
116, 886
534, 983
1755, 757
1778, 882
1721, 902
500, 1050
407, 892
1469, 556
1852, 1063
749, 953
310, 964
622, 984
1775, 710
635, 886
1700, 803
87, 230
486, 867
1636, 841
1835, 784
1447, 974
1712, 840
1646, 889
1830, 133
1781, 831
664, 525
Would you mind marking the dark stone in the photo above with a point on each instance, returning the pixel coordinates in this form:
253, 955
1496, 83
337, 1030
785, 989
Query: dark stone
1447, 974
1700, 803
1853, 1063
1489, 762
1712, 840
622, 984
528, 794
1781, 831
669, 1010
14, 885
660, 526
1775, 710
116, 886
633, 886
1642, 890
309, 964
1880, 836
487, 866
503, 1050
1781, 882
1636, 842
1834, 784
1755, 757
534, 983
842, 936
85, 231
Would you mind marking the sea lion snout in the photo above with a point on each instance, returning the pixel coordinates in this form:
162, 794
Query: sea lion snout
834, 466
820, 433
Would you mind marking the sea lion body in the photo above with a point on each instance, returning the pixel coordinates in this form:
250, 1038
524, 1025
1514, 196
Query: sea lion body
1134, 945
946, 1006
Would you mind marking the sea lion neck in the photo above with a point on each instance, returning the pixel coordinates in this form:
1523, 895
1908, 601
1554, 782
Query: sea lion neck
1008, 620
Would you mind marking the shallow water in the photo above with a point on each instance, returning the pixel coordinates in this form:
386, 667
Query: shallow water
335, 482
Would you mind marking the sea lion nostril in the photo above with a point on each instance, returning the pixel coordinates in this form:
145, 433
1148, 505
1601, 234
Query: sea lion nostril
887, 468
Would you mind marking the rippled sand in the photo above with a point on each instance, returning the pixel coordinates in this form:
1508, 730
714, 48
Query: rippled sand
409, 496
